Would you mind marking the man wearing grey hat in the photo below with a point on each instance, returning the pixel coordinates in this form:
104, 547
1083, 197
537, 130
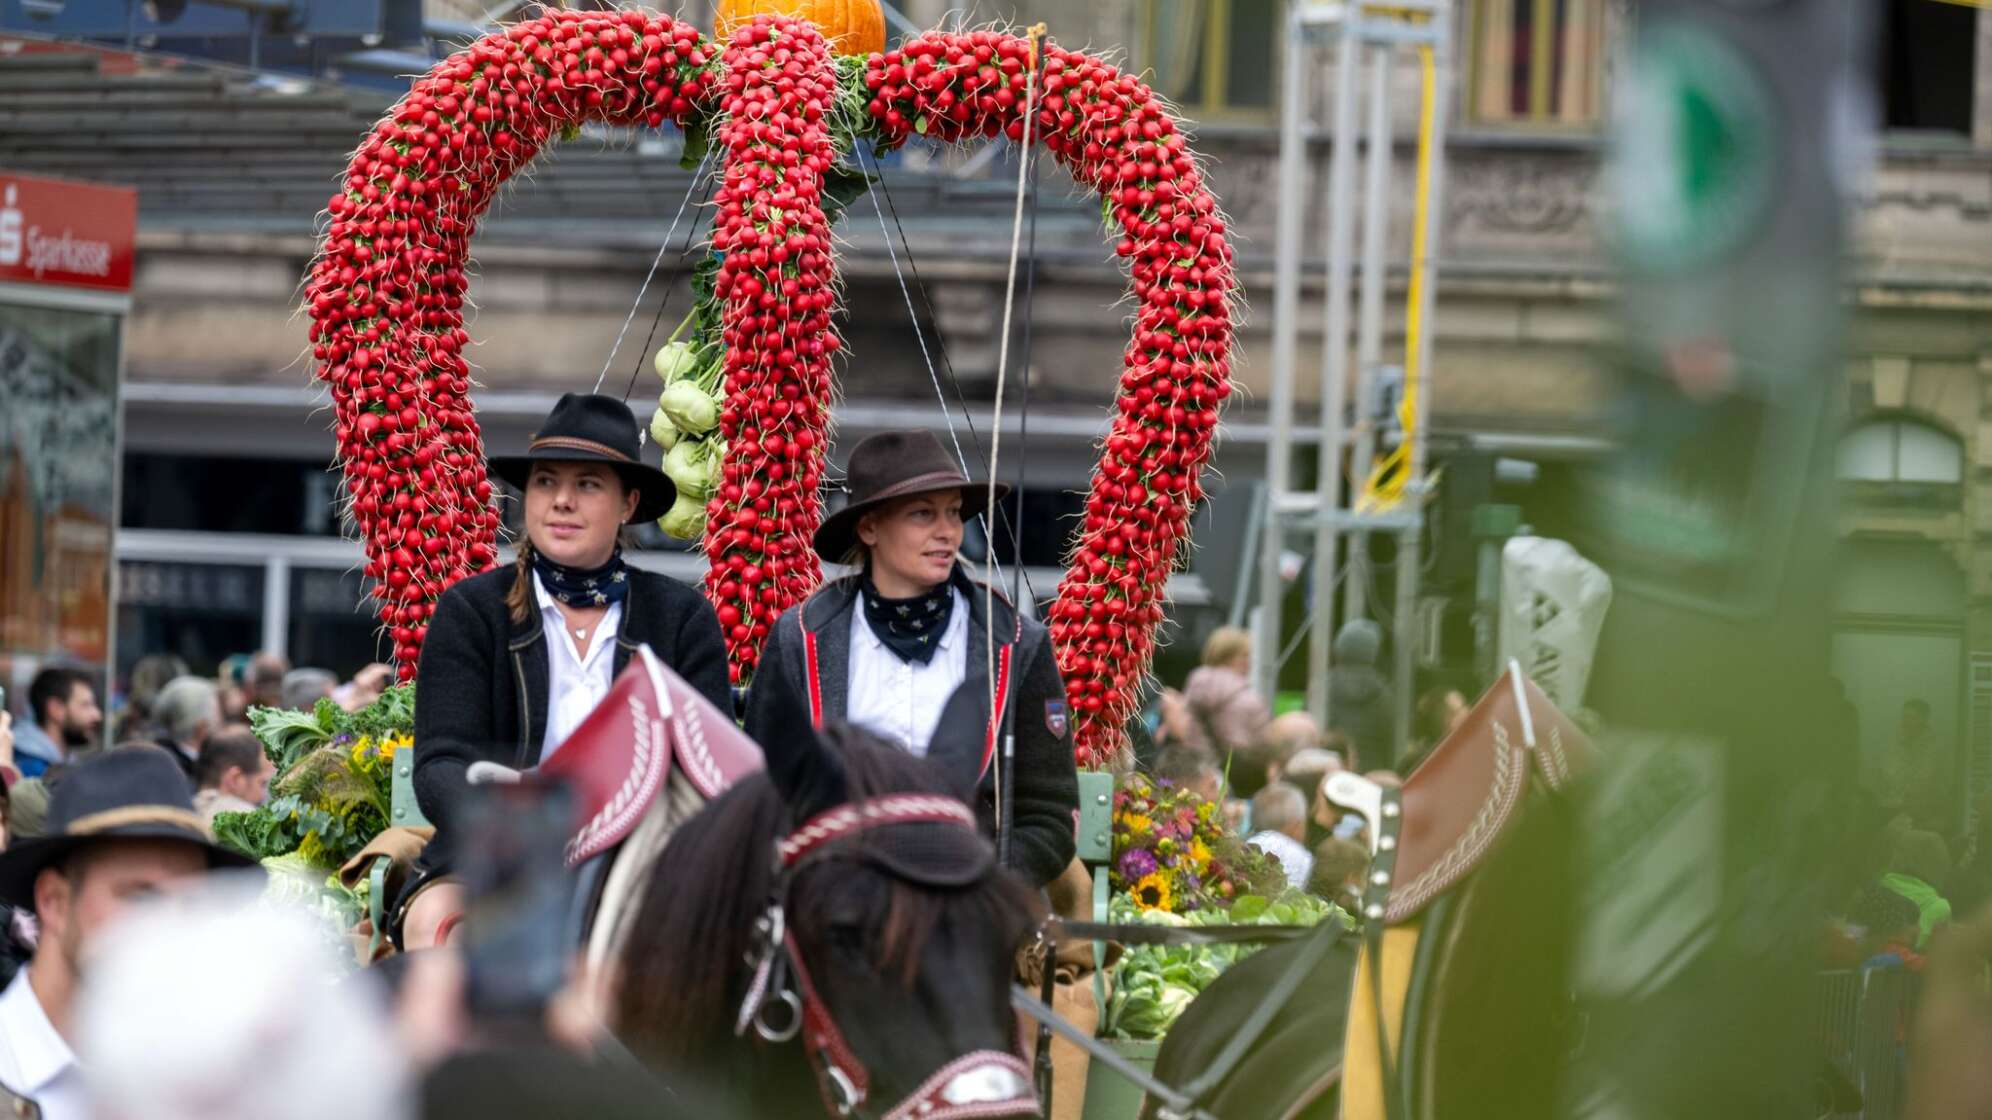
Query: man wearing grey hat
121, 828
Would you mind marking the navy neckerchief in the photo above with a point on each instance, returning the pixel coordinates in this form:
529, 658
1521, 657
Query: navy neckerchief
584, 588
910, 628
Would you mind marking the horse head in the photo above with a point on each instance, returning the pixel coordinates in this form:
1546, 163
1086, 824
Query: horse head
839, 920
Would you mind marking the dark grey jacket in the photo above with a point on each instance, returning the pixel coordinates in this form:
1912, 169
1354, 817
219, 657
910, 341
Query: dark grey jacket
1047, 784
484, 682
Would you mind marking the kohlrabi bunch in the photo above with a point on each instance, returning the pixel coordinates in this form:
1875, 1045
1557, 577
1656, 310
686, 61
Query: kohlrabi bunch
686, 426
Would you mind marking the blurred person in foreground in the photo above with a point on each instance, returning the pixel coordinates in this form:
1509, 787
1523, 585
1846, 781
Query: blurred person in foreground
1194, 769
264, 679
150, 674
1279, 816
1308, 771
232, 684
1952, 1032
121, 827
211, 1005
1359, 698
303, 688
65, 718
234, 774
1339, 865
1918, 870
1226, 714
187, 711
366, 687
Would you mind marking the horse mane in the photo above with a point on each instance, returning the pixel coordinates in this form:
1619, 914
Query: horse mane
682, 972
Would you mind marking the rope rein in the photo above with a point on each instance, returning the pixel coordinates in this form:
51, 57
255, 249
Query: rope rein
655, 263
1002, 376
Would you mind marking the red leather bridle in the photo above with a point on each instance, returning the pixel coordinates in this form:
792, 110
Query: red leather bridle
981, 1084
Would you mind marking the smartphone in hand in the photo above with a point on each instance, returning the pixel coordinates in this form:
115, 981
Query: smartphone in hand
517, 928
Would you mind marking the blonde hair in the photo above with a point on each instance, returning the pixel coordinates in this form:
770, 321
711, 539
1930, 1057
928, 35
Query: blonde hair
1227, 644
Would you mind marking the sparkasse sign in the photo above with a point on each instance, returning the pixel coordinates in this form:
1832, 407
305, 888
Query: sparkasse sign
53, 231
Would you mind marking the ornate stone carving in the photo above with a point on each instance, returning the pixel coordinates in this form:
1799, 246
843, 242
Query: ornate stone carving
1509, 193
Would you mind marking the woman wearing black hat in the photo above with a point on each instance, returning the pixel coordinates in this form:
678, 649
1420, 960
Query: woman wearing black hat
517, 657
887, 646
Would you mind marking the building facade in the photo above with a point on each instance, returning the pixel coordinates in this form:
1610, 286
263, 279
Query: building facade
228, 441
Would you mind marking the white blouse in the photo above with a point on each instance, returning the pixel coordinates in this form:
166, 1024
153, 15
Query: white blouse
902, 700
577, 679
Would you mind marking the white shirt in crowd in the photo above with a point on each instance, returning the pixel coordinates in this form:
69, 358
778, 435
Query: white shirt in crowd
902, 700
576, 679
34, 1060
1295, 859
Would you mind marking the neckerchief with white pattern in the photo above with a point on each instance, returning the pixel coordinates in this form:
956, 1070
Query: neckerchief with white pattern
589, 587
910, 628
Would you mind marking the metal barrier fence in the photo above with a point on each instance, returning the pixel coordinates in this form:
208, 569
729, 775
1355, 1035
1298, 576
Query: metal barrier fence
1863, 1019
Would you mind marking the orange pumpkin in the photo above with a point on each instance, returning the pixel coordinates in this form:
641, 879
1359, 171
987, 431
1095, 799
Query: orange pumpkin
851, 26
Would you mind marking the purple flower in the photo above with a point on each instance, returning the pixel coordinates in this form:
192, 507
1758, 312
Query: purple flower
1136, 863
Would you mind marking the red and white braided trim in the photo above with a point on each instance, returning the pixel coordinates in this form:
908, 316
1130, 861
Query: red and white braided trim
849, 820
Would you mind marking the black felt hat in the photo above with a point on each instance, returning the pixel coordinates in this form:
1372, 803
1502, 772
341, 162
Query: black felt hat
132, 793
593, 428
893, 465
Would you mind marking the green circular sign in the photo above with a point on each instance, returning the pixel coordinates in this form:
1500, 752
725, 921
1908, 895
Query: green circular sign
1693, 166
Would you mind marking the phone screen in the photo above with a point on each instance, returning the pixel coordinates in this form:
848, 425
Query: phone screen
516, 928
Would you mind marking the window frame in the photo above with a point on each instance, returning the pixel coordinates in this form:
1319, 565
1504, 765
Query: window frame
1213, 70
1473, 16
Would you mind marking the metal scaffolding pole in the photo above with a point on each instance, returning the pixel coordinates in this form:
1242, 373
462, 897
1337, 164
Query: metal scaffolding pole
1334, 359
1360, 36
1369, 319
1409, 562
1286, 330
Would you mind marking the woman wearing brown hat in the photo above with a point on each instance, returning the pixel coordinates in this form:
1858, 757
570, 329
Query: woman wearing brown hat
517, 657
886, 647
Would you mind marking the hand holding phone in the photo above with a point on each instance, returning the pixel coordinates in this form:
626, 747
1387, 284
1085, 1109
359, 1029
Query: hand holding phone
516, 928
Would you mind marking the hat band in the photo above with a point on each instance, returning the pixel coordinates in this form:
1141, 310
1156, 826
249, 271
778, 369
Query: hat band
574, 443
934, 480
94, 823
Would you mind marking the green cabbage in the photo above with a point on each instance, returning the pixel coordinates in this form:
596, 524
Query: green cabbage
663, 431
686, 519
675, 360
691, 409
693, 465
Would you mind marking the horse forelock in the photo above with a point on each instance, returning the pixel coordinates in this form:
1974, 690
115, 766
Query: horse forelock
683, 973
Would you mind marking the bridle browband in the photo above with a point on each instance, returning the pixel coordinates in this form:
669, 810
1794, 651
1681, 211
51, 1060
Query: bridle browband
779, 1010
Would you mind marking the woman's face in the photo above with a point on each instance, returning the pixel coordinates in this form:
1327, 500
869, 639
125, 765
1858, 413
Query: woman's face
575, 510
913, 542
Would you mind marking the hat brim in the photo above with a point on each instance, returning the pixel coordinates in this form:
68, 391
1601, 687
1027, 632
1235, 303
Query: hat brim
657, 493
24, 860
838, 534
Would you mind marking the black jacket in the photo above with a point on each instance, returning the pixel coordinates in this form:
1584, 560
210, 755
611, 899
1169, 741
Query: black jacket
1047, 785
484, 682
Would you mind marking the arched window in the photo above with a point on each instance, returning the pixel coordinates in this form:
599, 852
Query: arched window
1901, 450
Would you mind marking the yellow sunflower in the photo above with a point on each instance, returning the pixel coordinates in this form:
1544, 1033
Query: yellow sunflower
1138, 824
1199, 854
1152, 892
395, 742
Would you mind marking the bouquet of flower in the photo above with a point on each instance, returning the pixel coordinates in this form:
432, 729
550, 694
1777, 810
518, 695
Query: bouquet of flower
1173, 853
332, 791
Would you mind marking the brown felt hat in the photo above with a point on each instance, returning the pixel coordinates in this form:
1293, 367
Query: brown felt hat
890, 466
132, 793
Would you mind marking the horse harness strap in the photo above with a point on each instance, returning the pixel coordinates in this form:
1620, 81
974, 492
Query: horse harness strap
1376, 900
841, 1075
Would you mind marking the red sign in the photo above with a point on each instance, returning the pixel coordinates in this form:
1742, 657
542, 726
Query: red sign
79, 235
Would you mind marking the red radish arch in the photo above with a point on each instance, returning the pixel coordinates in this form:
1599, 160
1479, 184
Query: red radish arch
386, 294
